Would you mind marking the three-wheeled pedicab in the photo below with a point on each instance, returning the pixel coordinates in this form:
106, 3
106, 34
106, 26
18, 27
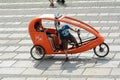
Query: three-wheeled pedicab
89, 38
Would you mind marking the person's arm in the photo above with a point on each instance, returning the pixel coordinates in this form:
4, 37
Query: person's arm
73, 30
58, 34
45, 30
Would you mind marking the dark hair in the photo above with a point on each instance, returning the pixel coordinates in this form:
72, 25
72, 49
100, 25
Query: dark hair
58, 23
36, 25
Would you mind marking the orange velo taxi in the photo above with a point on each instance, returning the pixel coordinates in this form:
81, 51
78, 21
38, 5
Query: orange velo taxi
43, 31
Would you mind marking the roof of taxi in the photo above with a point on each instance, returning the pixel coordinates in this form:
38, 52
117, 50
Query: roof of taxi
49, 16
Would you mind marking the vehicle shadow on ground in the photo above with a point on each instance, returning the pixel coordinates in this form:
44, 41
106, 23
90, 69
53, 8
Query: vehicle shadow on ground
72, 65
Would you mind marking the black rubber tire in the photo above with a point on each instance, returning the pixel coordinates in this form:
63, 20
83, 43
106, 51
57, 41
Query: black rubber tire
101, 49
37, 52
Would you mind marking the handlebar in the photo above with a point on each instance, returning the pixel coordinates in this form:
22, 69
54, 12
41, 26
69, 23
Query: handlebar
78, 31
79, 36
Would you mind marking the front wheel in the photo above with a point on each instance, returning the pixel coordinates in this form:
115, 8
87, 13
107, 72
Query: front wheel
102, 50
37, 52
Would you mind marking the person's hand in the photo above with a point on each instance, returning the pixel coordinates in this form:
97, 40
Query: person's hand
46, 30
76, 30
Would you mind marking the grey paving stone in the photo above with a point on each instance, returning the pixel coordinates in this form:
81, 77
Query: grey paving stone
13, 42
13, 24
33, 71
25, 42
87, 55
72, 64
117, 41
97, 71
15, 78
110, 56
10, 71
105, 28
7, 63
8, 55
107, 63
58, 78
52, 72
16, 35
15, 30
114, 47
22, 56
34, 78
2, 48
114, 35
23, 64
114, 28
55, 65
11, 48
72, 71
4, 35
9, 29
109, 41
77, 78
100, 79
82, 62
2, 29
46, 64
24, 48
2, 42
115, 71
117, 56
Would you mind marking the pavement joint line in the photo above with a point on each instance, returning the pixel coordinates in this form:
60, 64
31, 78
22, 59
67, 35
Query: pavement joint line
92, 21
67, 8
119, 65
59, 8
32, 45
17, 60
80, 14
31, 3
63, 76
94, 7
55, 59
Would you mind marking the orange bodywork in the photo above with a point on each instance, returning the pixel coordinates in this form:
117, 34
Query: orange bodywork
40, 38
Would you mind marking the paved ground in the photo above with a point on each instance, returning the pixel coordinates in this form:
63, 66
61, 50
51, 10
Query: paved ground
15, 43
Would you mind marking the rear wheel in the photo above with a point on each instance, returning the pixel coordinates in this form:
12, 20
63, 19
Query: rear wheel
37, 52
102, 50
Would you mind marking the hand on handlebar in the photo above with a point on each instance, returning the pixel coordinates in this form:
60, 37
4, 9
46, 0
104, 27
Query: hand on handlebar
78, 31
